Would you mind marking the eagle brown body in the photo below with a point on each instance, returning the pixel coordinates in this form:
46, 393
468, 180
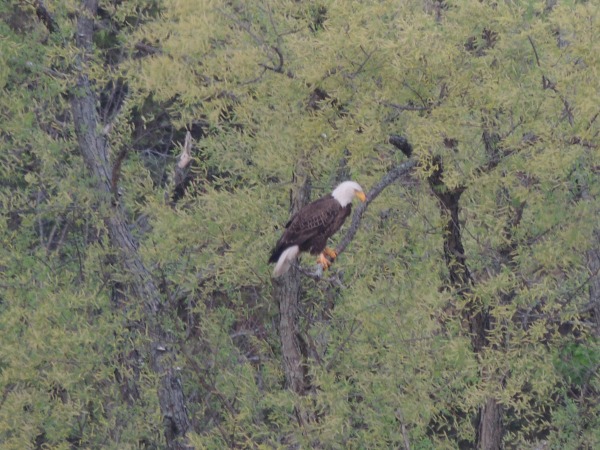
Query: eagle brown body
309, 229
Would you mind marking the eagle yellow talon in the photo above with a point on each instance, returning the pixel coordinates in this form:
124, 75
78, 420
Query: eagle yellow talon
331, 253
323, 261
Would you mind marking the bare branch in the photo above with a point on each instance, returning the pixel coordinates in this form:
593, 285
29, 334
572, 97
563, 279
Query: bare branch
363, 64
406, 107
549, 84
388, 179
116, 172
262, 43
146, 49
402, 144
95, 149
537, 58
279, 68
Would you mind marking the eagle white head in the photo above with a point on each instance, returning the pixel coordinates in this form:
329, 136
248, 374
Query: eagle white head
346, 191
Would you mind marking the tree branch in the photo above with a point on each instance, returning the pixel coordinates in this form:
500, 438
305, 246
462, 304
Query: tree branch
116, 172
279, 67
287, 293
387, 179
363, 64
263, 43
549, 84
400, 418
94, 149
406, 107
402, 144
44, 15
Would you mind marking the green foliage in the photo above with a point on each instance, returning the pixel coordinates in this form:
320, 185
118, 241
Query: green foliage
270, 90
574, 362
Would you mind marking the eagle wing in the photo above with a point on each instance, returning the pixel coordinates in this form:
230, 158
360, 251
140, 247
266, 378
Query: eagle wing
310, 227
318, 215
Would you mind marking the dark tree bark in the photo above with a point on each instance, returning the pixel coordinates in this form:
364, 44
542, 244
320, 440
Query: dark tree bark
287, 292
94, 148
454, 256
489, 421
593, 262
44, 15
593, 266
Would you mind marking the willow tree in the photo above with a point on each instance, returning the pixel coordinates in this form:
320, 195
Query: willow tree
463, 311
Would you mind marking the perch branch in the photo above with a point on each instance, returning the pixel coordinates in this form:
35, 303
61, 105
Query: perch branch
388, 179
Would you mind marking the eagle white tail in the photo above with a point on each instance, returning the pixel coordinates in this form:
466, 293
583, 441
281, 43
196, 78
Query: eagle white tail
285, 260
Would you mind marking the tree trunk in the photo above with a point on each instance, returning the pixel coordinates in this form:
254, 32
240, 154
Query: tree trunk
489, 433
287, 294
593, 266
593, 263
94, 148
489, 420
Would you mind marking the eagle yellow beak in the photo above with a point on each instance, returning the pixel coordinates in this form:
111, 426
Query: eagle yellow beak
361, 195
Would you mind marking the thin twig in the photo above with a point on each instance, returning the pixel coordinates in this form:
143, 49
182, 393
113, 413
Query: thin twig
549, 84
537, 58
363, 64
38, 201
406, 107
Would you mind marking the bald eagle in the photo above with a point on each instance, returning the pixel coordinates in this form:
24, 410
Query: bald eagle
309, 229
